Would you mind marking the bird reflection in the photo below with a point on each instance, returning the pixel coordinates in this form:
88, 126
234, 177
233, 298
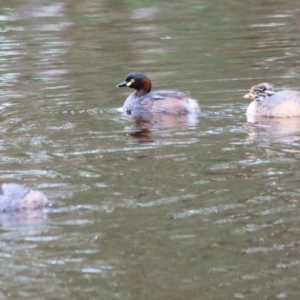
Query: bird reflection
286, 129
145, 123
22, 217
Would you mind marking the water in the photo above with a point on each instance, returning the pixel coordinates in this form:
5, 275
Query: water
183, 209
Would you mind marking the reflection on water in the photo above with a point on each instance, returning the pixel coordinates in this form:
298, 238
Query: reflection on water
285, 130
143, 124
165, 121
201, 207
23, 223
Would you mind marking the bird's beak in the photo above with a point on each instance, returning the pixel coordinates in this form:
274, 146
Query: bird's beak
124, 83
249, 95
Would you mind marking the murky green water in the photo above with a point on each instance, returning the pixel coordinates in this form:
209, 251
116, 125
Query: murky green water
188, 209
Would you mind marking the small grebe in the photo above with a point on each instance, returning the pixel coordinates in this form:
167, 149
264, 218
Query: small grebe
162, 102
267, 103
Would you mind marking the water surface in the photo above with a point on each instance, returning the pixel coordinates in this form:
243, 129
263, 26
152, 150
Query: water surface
182, 209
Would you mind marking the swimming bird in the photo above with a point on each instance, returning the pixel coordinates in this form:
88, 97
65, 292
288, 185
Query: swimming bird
266, 102
17, 197
161, 102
